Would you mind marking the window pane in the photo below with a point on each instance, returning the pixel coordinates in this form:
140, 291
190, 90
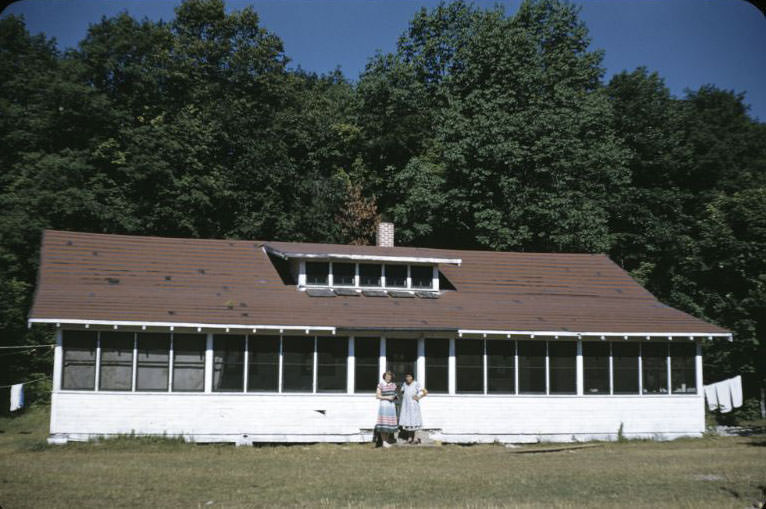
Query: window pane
228, 363
343, 274
401, 357
317, 273
332, 356
396, 276
595, 360
116, 361
654, 363
469, 363
263, 363
531, 367
153, 362
437, 365
298, 364
682, 368
562, 361
625, 365
500, 367
422, 276
369, 274
189, 362
366, 364
79, 371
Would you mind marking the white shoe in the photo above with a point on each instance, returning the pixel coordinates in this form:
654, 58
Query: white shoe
386, 444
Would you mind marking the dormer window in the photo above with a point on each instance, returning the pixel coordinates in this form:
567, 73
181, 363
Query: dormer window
396, 276
422, 277
318, 273
343, 274
370, 275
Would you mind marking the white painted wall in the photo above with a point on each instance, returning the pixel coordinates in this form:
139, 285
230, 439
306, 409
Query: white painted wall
349, 418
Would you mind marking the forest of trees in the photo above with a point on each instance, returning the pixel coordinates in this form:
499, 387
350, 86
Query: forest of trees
482, 130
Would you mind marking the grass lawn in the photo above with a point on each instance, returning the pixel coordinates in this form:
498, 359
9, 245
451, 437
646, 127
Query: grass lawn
130, 472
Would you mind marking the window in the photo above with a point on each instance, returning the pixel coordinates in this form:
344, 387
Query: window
369, 274
228, 363
469, 365
422, 276
396, 276
116, 361
531, 367
595, 363
189, 362
437, 365
263, 363
153, 362
683, 374
401, 357
343, 274
654, 365
79, 371
366, 364
501, 366
625, 366
317, 273
297, 364
562, 362
332, 355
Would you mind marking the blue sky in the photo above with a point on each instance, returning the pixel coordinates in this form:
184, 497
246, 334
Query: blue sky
688, 42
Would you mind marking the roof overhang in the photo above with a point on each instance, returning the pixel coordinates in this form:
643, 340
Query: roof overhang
360, 257
599, 335
199, 327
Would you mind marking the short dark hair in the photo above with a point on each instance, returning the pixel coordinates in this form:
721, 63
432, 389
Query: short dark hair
387, 372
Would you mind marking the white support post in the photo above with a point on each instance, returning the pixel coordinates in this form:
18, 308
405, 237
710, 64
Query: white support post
351, 364
452, 368
97, 381
409, 276
611, 370
209, 363
640, 370
356, 275
58, 360
135, 360
330, 281
281, 358
547, 370
170, 363
302, 273
484, 363
245, 363
382, 275
698, 370
382, 356
516, 367
314, 368
421, 364
670, 382
435, 283
579, 368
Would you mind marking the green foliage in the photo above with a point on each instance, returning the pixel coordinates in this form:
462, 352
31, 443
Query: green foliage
480, 130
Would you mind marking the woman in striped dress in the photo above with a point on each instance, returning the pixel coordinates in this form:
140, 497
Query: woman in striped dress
386, 422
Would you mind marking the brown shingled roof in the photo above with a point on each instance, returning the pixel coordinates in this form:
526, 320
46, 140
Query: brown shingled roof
85, 276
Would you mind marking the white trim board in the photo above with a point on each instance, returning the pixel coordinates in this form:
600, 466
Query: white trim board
361, 257
185, 325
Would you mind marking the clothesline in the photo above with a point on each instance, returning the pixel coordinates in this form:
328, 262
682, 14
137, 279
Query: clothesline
24, 383
29, 347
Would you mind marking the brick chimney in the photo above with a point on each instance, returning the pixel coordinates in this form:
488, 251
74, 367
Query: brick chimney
385, 235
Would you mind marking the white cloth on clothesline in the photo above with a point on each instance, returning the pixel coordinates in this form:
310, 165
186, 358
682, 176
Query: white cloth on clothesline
711, 397
17, 397
736, 391
724, 395
723, 391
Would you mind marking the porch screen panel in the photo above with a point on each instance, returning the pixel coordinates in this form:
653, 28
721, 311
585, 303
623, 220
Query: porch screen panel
366, 367
116, 361
531, 367
469, 366
595, 361
298, 364
654, 366
189, 362
683, 373
228, 363
79, 369
401, 357
153, 362
332, 359
500, 367
437, 365
263, 363
625, 366
562, 361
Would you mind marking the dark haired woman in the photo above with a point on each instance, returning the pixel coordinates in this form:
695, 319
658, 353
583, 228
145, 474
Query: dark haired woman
410, 418
386, 422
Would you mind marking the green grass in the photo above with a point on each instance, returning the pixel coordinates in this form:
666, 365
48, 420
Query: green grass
156, 472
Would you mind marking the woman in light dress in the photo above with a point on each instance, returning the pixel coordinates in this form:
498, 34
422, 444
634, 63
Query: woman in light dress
410, 418
386, 424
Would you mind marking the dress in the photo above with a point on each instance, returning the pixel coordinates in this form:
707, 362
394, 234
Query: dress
386, 422
409, 417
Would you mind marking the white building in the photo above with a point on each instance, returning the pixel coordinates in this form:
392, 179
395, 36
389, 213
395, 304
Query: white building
242, 341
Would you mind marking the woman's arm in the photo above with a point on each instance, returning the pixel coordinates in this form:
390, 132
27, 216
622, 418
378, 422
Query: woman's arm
421, 394
378, 394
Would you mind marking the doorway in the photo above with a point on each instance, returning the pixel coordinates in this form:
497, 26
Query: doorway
401, 358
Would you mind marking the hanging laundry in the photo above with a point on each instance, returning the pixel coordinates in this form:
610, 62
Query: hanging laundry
712, 398
17, 397
735, 384
724, 395
723, 392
